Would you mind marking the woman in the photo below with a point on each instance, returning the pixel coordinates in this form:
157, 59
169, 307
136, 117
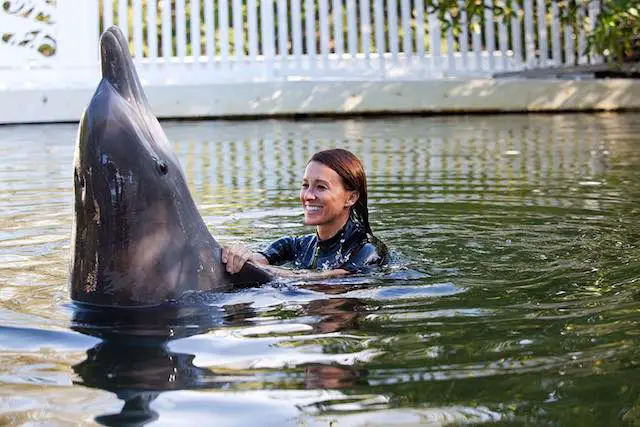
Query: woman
334, 199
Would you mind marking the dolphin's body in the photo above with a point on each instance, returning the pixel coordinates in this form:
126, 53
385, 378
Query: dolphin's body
138, 239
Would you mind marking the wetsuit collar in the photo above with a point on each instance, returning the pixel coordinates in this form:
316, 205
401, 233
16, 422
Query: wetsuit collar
346, 230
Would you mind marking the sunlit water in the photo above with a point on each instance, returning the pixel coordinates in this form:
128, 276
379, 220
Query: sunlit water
513, 295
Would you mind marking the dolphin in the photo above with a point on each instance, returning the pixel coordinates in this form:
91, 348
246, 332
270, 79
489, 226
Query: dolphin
138, 239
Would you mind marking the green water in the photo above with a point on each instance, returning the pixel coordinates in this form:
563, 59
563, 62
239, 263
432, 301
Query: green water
512, 297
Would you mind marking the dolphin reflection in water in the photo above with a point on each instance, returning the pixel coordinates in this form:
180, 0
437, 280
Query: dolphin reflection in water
137, 363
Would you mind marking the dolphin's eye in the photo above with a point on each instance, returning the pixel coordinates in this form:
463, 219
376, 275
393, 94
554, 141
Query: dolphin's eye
162, 166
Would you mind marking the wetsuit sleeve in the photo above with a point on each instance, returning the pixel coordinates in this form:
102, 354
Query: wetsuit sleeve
280, 251
366, 259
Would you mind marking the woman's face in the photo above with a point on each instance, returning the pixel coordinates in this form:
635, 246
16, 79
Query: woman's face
324, 199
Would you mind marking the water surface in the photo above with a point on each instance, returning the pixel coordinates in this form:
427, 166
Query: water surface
512, 296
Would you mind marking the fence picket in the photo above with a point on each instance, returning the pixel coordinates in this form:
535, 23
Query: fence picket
107, 14
252, 23
529, 36
476, 42
352, 35
283, 31
365, 28
451, 46
543, 45
268, 32
555, 34
138, 51
516, 36
420, 32
503, 41
463, 38
378, 16
594, 11
323, 20
569, 53
181, 30
310, 29
393, 29
582, 39
407, 36
296, 29
167, 43
338, 41
194, 23
152, 30
209, 30
490, 40
238, 31
223, 24
435, 43
123, 19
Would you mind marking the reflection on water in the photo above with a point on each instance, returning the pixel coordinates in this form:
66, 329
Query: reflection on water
512, 296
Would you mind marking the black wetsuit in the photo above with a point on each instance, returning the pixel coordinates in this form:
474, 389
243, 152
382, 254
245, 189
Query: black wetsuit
350, 249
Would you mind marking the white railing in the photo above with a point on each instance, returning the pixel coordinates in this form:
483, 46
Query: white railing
258, 40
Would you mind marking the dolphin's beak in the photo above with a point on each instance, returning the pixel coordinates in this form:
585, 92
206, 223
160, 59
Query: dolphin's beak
117, 66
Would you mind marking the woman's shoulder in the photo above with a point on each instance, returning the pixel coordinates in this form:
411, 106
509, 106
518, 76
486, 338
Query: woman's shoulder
375, 248
371, 253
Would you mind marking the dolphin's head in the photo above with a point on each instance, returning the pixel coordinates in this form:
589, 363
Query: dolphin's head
138, 237
120, 135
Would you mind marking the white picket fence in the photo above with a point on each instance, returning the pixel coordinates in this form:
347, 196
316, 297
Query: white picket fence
263, 40
219, 58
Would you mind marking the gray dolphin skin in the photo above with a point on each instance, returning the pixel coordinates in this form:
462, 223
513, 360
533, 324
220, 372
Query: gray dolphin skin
138, 239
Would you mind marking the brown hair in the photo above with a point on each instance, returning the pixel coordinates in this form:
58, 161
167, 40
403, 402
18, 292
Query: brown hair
351, 171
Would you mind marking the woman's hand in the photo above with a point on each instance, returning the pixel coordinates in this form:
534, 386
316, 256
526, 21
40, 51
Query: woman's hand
236, 256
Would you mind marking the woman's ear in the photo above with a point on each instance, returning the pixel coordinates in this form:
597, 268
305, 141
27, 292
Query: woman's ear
352, 199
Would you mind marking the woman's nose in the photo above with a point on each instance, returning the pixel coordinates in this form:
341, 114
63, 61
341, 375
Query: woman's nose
308, 194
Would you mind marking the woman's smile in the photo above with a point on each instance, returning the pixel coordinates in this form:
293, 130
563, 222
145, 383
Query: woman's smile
312, 209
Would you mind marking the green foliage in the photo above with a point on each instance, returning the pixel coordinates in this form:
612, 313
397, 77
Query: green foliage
614, 35
617, 32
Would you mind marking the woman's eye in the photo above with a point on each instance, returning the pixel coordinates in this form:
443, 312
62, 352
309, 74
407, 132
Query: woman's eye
322, 187
305, 186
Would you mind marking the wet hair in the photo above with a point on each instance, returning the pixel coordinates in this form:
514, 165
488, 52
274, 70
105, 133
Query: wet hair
350, 169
